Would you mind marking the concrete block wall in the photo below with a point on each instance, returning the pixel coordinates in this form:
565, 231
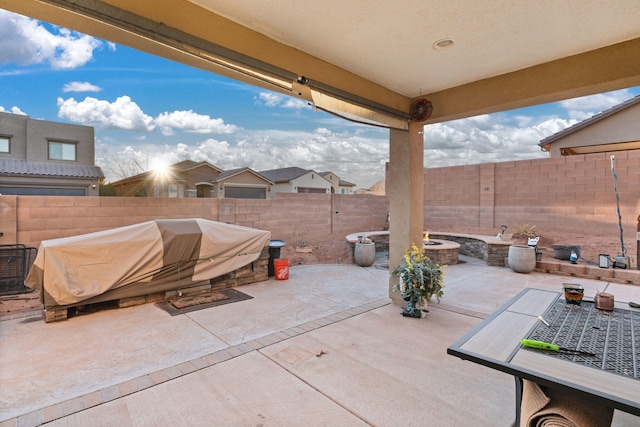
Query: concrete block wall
359, 212
295, 218
571, 194
50, 217
291, 217
452, 196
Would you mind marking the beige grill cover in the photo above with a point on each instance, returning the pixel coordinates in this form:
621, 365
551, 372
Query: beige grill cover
140, 259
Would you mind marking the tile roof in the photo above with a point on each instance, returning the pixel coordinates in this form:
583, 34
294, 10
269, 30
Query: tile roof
344, 183
190, 164
182, 166
591, 120
284, 174
231, 172
341, 182
21, 167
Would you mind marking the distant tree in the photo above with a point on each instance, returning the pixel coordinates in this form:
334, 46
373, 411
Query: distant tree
128, 163
106, 189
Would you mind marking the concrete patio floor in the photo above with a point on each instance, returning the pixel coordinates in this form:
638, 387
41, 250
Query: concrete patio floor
324, 348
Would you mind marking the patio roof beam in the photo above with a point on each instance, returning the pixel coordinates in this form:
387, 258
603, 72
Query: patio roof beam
601, 70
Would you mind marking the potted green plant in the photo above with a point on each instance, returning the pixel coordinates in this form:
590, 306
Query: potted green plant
419, 280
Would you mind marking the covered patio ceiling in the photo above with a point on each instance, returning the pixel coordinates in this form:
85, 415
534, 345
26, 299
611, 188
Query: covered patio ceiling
373, 59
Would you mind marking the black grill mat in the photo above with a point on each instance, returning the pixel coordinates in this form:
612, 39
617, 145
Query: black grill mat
614, 337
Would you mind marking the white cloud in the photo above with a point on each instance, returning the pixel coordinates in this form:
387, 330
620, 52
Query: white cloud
189, 121
81, 87
487, 138
598, 102
125, 114
122, 114
295, 104
352, 157
359, 156
271, 99
25, 41
14, 110
587, 106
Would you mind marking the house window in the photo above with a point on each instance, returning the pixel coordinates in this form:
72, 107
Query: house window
4, 144
173, 190
62, 151
191, 193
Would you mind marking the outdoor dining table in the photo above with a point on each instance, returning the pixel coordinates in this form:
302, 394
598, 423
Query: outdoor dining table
610, 378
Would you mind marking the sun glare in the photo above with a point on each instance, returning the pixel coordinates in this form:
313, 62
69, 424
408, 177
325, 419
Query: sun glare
160, 168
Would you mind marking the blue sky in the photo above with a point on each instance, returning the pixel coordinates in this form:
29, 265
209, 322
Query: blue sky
148, 110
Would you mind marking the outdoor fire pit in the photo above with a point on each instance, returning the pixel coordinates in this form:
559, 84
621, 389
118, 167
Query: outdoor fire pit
442, 252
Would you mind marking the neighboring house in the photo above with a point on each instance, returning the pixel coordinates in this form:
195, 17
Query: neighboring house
242, 183
615, 129
338, 186
39, 157
182, 179
296, 180
202, 179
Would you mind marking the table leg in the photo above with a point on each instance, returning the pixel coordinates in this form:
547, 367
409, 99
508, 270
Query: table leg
518, 399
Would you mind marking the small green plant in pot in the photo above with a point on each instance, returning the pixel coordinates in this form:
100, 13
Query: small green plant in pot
419, 280
526, 230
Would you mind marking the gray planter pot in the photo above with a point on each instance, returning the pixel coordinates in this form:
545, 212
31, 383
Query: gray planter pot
522, 259
365, 254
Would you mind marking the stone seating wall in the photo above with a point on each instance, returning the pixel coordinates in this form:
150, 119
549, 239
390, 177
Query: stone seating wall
490, 249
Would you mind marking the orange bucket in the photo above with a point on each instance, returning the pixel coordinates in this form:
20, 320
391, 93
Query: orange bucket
281, 269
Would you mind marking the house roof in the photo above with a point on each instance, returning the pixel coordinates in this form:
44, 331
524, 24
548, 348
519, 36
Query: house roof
544, 143
233, 172
186, 165
182, 166
22, 167
341, 182
284, 174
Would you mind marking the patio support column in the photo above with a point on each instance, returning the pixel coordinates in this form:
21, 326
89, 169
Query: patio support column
406, 194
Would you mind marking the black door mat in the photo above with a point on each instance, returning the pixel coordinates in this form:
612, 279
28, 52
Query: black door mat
188, 304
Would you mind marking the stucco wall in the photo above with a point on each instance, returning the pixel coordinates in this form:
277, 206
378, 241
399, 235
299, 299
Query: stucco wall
40, 132
14, 126
623, 126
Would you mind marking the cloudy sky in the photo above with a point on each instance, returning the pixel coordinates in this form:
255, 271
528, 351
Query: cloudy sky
148, 111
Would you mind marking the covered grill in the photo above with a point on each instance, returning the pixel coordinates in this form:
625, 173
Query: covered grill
140, 259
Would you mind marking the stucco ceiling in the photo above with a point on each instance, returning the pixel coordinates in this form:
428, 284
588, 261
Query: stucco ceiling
392, 42
373, 58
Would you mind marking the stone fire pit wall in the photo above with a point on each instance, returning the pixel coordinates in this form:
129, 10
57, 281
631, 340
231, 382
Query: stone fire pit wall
491, 250
446, 253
